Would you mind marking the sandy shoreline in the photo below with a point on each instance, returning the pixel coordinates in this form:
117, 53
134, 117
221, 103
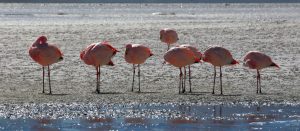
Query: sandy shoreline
73, 81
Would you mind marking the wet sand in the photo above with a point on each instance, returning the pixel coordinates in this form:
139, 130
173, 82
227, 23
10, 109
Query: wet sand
73, 81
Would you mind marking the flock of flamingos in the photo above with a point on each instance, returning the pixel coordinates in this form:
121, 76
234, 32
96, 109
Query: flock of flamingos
99, 54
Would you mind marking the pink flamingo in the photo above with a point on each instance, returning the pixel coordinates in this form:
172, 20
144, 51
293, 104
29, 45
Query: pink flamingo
180, 57
45, 54
136, 54
98, 54
198, 55
168, 36
218, 56
257, 60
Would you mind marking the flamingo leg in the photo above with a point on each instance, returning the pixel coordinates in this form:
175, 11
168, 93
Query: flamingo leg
182, 77
98, 77
43, 79
139, 75
184, 80
258, 82
50, 92
168, 46
221, 80
190, 83
132, 84
213, 92
99, 85
180, 80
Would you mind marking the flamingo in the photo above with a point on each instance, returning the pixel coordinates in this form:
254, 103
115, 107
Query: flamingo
218, 56
180, 57
197, 54
45, 54
168, 36
136, 54
98, 54
257, 60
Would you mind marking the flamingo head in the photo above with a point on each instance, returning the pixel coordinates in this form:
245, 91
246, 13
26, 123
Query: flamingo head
233, 62
161, 33
128, 46
204, 58
197, 60
274, 64
42, 39
199, 55
249, 63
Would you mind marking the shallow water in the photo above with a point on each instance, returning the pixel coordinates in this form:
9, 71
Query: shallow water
150, 116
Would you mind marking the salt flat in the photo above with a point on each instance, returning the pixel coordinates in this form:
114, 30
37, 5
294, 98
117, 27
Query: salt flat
269, 28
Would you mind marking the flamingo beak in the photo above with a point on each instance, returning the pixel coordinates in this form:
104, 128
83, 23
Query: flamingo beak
163, 64
201, 62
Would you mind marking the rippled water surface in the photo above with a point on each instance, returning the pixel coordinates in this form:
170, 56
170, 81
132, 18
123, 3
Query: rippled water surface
149, 116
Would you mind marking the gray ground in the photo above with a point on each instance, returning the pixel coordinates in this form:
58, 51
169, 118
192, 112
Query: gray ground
73, 81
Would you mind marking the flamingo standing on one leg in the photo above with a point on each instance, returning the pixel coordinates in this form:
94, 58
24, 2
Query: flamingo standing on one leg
180, 57
45, 54
168, 36
257, 60
197, 54
136, 54
218, 56
98, 54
